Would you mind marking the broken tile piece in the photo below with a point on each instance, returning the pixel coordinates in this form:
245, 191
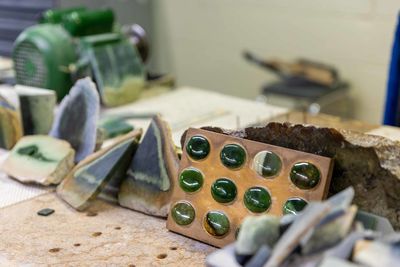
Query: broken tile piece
376, 254
330, 233
223, 257
45, 212
148, 186
114, 127
334, 262
260, 258
310, 217
374, 222
37, 109
10, 119
40, 159
256, 231
92, 174
344, 249
76, 118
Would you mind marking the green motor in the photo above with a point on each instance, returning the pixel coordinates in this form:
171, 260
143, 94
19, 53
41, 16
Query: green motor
75, 42
42, 55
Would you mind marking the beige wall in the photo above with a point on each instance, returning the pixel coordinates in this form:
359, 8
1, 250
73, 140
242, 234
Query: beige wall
201, 42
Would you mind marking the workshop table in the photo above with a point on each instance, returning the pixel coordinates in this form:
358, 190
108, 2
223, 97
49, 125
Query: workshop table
109, 235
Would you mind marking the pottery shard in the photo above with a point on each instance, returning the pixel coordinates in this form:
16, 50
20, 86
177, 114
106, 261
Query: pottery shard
371, 164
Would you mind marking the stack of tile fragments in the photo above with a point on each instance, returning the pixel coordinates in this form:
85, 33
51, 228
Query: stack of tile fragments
332, 233
69, 152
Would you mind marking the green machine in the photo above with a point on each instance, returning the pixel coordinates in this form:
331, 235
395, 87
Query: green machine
72, 43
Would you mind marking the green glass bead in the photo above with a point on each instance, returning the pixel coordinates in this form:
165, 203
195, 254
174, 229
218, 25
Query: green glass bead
223, 190
233, 156
267, 164
198, 147
183, 213
191, 180
294, 205
216, 223
305, 175
257, 199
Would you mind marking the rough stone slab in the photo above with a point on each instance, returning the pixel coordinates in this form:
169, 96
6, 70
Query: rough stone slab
142, 240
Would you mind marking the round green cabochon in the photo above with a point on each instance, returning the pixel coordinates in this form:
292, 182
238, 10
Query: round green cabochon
233, 156
198, 147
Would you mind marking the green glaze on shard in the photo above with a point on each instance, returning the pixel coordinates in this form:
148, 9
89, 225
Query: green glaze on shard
191, 180
267, 164
33, 152
40, 159
257, 199
183, 213
154, 167
88, 178
305, 175
233, 156
223, 190
198, 147
216, 223
114, 127
294, 205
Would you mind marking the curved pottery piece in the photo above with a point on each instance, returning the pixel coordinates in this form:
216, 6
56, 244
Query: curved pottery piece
92, 174
40, 159
77, 116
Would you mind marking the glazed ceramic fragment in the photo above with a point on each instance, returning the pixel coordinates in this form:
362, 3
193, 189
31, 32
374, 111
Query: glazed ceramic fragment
376, 254
10, 118
76, 118
255, 232
147, 187
114, 127
374, 222
310, 217
334, 262
91, 175
330, 233
260, 258
40, 159
37, 109
223, 257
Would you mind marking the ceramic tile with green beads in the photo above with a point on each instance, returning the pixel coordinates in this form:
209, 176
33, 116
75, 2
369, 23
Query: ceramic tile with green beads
222, 179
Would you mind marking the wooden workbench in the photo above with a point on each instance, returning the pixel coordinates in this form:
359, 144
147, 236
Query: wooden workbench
114, 236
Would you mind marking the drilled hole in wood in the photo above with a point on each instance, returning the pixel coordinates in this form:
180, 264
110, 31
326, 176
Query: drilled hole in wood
173, 248
77, 245
117, 228
96, 234
91, 213
162, 256
54, 250
131, 265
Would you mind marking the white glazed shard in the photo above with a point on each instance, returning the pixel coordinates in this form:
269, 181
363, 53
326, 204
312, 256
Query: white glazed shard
39, 159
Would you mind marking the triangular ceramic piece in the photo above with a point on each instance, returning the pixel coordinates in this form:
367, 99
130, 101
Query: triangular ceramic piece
77, 116
40, 159
148, 186
92, 174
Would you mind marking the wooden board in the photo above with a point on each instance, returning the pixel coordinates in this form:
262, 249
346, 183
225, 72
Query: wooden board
115, 237
279, 187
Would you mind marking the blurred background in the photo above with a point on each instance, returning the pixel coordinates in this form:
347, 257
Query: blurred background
201, 42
